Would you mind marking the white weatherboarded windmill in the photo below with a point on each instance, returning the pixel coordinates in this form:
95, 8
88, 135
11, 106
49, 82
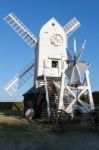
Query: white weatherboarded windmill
63, 79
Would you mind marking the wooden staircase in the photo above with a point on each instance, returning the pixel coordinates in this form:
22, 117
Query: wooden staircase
40, 105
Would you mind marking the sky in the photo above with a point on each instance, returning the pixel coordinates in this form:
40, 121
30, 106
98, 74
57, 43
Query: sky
15, 53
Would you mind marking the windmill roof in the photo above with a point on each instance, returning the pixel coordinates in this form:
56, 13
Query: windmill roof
30, 91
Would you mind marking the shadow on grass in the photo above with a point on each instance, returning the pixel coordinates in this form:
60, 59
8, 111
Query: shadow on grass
13, 122
41, 127
11, 113
4, 127
25, 126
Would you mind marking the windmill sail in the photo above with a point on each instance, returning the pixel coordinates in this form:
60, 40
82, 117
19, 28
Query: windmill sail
71, 26
19, 79
21, 29
81, 52
75, 48
69, 56
76, 68
75, 76
83, 66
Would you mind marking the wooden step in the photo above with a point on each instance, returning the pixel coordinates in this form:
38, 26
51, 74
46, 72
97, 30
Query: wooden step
53, 94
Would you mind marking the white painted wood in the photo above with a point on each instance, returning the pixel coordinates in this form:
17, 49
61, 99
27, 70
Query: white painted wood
21, 29
49, 50
89, 91
47, 97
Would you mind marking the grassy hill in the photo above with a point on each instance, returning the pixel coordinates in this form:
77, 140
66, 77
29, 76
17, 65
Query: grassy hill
11, 105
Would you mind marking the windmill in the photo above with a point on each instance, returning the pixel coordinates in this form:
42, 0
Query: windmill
52, 62
32, 41
76, 68
76, 84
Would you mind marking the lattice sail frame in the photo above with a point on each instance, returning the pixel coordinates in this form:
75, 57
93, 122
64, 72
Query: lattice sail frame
21, 29
12, 86
71, 26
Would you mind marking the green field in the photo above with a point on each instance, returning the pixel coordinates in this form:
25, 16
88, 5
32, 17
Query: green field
17, 133
11, 105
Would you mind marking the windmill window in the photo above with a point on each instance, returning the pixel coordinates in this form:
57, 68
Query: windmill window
53, 24
54, 64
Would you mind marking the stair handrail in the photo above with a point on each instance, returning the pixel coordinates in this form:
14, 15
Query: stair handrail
47, 97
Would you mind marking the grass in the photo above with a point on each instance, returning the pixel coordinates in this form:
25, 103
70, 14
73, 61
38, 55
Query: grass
11, 105
18, 133
12, 121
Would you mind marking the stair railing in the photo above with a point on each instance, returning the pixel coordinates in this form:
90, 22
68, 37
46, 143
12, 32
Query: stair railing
47, 96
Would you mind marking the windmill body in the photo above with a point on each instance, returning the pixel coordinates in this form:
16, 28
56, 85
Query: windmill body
51, 48
56, 74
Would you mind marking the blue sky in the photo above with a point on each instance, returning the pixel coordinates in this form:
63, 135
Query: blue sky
15, 53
